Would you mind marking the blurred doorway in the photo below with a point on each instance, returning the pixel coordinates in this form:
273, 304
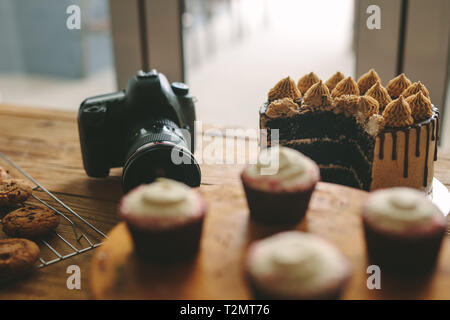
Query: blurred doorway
234, 51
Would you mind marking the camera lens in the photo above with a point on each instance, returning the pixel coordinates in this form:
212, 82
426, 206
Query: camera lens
160, 150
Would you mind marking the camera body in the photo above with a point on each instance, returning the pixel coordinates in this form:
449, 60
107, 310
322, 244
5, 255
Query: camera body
150, 114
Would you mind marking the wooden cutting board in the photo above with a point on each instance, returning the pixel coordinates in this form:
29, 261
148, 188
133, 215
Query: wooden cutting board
217, 272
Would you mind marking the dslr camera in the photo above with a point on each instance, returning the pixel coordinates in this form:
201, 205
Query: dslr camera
148, 129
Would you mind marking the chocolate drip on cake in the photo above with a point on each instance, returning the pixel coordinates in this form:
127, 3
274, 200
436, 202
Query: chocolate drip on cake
381, 154
344, 151
432, 135
341, 137
425, 174
394, 145
405, 163
418, 130
432, 131
437, 139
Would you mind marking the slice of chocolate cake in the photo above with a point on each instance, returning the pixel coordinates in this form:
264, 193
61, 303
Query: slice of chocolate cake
367, 142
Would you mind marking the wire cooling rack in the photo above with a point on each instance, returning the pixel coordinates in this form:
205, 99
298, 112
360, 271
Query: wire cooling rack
70, 238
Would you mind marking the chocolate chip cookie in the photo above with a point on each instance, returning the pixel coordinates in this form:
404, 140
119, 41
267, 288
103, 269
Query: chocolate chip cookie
17, 256
30, 221
13, 191
4, 174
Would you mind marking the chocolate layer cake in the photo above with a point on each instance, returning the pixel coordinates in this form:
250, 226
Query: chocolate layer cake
361, 134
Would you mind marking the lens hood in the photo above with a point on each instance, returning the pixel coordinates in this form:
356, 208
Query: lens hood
160, 159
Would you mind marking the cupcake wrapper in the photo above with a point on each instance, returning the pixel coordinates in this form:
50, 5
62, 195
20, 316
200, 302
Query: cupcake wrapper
281, 208
168, 245
331, 293
403, 254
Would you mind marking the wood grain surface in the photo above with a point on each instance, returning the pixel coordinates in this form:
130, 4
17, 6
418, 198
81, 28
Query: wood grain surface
45, 144
217, 272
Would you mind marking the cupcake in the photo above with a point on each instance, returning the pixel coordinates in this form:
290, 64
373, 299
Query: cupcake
165, 219
403, 230
296, 265
279, 186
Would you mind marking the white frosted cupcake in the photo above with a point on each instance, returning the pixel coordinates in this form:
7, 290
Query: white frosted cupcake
279, 186
165, 219
403, 230
296, 265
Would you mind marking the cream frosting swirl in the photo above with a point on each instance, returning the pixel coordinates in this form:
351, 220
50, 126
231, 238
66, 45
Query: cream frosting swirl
282, 168
317, 95
396, 86
379, 93
398, 114
399, 209
164, 198
285, 88
420, 105
305, 82
347, 104
367, 80
368, 106
346, 86
295, 263
414, 88
334, 80
282, 108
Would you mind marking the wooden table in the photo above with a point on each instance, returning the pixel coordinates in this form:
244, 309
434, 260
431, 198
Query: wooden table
45, 144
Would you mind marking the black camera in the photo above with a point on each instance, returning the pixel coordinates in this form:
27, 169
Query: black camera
148, 128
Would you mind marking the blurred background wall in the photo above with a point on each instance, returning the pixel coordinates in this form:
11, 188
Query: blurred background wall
35, 39
234, 50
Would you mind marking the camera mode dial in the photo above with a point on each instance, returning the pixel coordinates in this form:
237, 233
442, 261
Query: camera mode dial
180, 88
